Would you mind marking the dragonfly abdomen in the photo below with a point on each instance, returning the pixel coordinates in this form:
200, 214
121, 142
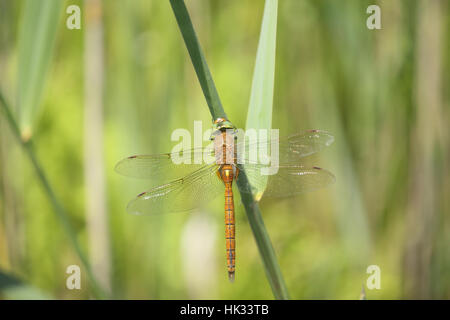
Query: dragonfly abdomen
230, 231
227, 174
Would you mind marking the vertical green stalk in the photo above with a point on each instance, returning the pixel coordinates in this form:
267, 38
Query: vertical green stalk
58, 208
268, 256
260, 234
198, 59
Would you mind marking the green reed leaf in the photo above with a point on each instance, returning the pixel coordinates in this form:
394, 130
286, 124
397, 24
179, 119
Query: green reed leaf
36, 42
261, 97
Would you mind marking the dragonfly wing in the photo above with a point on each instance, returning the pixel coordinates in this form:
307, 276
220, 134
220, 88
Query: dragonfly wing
304, 144
290, 180
167, 165
291, 148
180, 195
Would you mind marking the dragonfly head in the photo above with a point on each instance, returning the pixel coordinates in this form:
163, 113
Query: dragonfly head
220, 125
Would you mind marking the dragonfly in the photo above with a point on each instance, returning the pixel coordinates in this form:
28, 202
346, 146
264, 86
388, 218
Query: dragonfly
193, 184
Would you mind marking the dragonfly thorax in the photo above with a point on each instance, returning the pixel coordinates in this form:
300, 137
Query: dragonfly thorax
224, 147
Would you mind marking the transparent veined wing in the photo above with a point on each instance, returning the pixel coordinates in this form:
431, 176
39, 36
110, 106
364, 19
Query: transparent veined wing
180, 195
291, 148
295, 167
305, 144
290, 180
165, 165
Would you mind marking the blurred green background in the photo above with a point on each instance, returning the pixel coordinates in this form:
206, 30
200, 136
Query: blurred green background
122, 83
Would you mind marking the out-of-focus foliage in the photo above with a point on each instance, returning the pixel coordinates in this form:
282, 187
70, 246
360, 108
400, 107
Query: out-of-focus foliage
12, 288
382, 93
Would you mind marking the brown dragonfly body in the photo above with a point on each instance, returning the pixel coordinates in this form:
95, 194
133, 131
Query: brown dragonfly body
193, 184
228, 172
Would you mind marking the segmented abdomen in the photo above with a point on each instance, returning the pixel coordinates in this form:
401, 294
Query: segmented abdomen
230, 231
